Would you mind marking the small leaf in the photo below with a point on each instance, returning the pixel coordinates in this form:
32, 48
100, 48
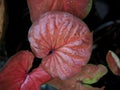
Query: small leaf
91, 73
113, 62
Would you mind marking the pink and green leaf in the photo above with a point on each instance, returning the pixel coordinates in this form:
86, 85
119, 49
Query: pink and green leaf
67, 37
92, 73
113, 62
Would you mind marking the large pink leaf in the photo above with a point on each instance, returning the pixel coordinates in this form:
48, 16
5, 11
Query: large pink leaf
113, 62
15, 76
78, 8
63, 41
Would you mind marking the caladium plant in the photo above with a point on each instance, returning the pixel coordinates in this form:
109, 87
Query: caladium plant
63, 41
79, 8
15, 74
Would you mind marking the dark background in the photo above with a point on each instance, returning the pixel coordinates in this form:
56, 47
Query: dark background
103, 20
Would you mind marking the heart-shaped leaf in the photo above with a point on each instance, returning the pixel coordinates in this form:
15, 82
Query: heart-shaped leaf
63, 41
15, 74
